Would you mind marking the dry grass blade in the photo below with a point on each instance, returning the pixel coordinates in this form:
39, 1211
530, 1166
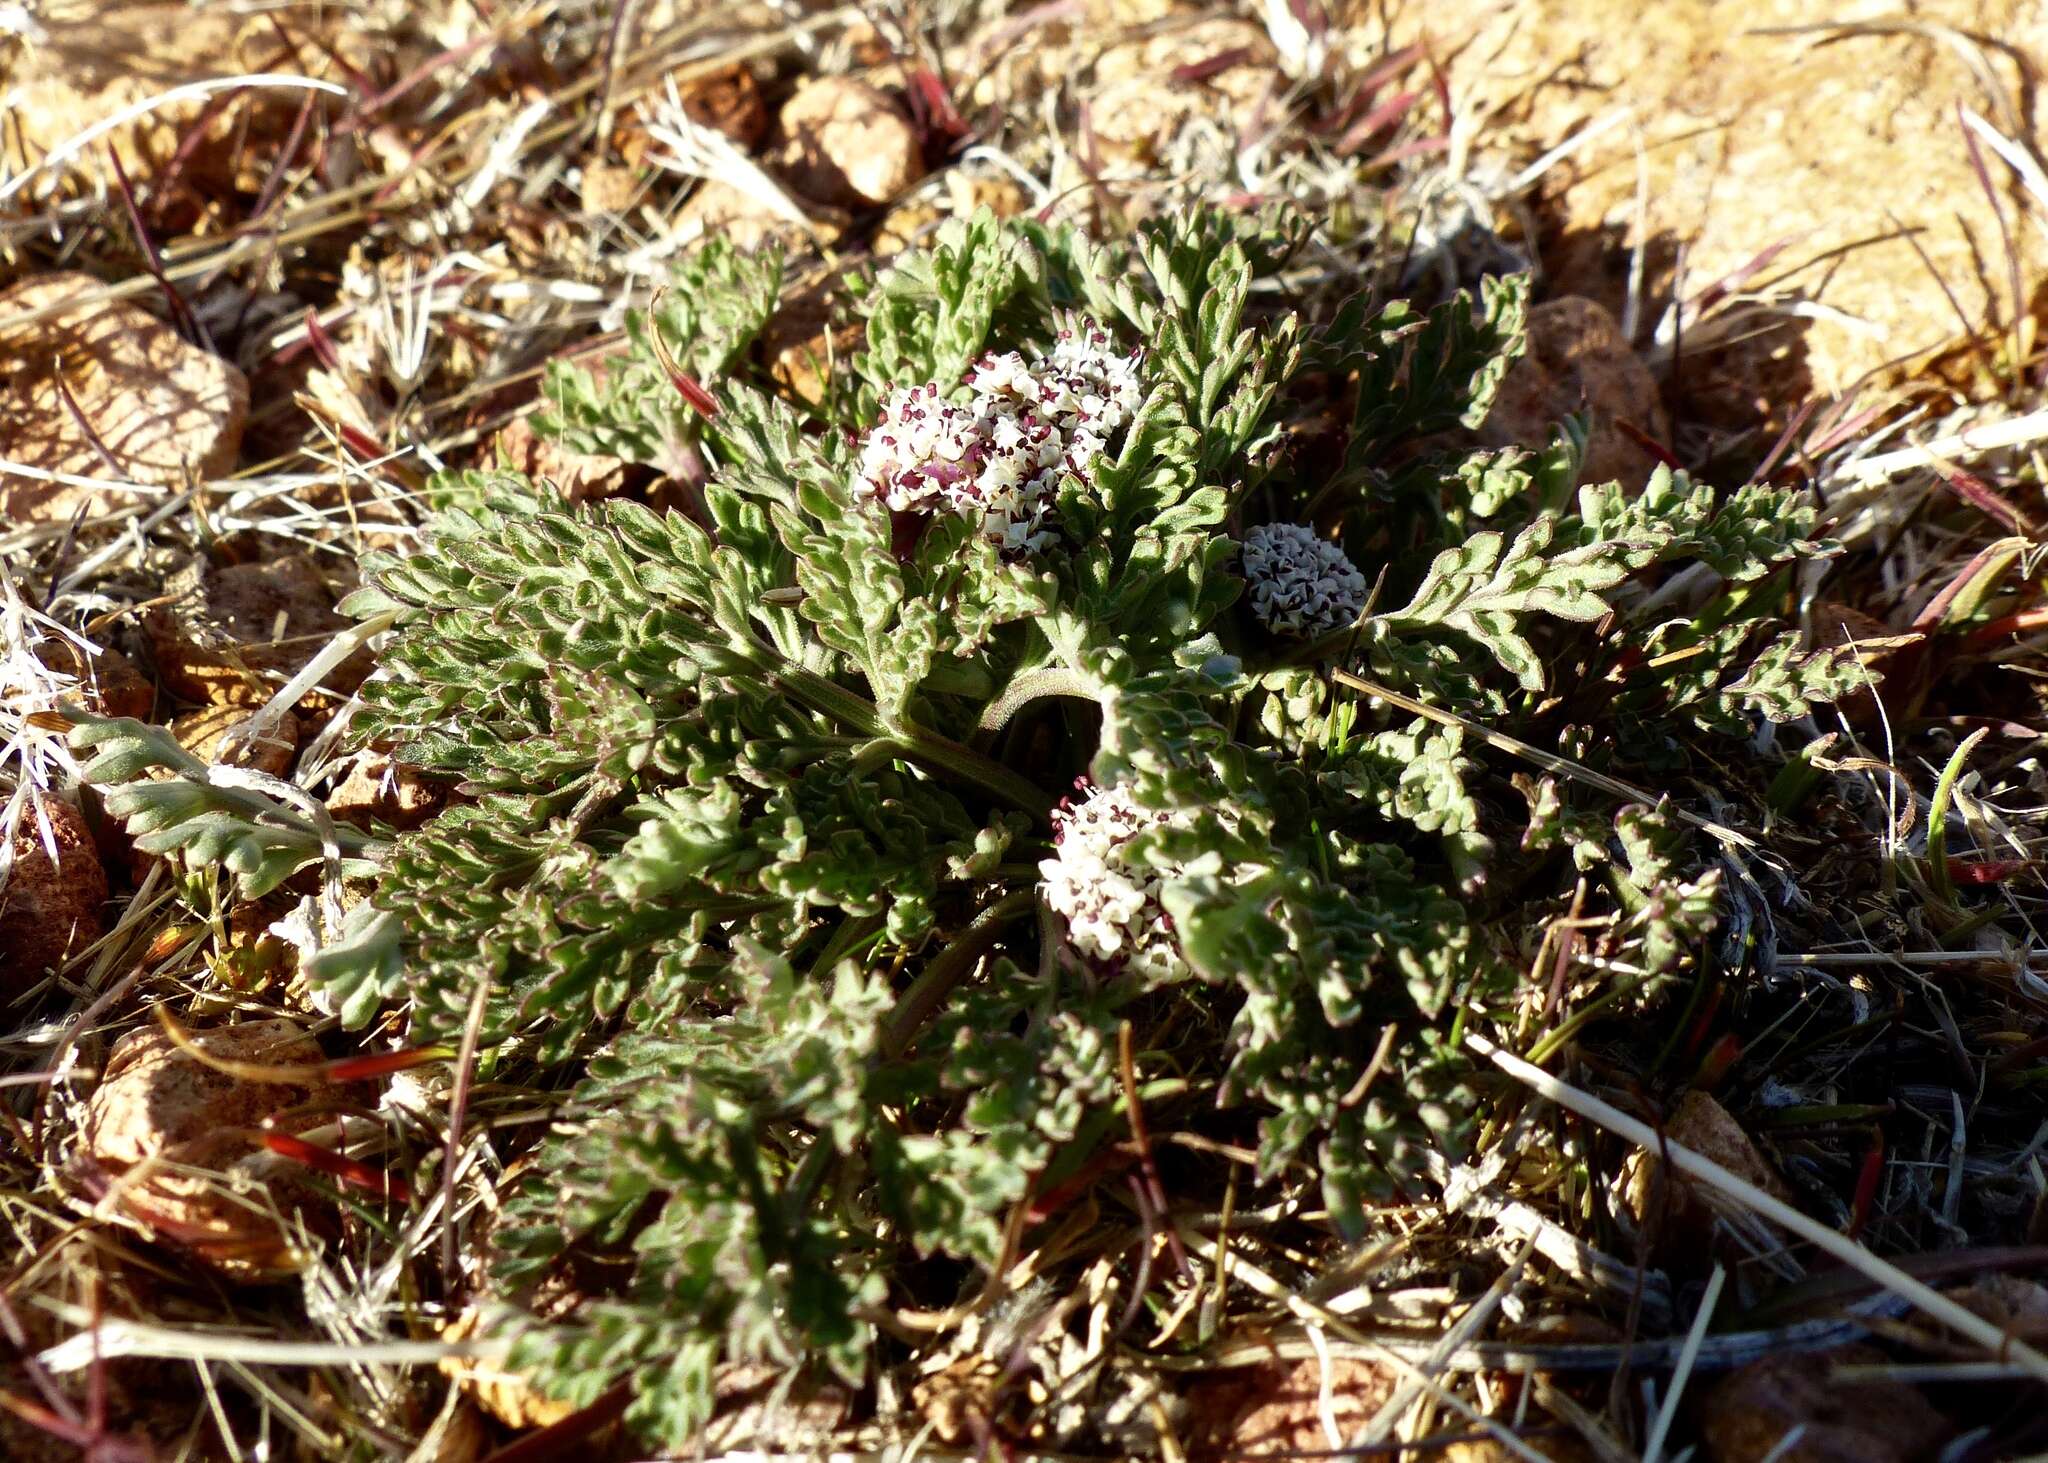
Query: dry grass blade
72, 147
117, 1338
1653, 1448
1965, 445
1928, 1300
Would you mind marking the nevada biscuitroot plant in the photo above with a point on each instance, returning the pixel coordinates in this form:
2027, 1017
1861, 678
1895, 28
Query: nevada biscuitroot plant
844, 839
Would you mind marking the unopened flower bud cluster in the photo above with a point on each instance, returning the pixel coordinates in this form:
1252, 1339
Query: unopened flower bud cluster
998, 455
1300, 584
1110, 901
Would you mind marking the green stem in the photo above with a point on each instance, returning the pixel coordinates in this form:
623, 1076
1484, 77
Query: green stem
802, 1187
1035, 685
1814, 1114
929, 749
1579, 1019
948, 968
850, 936
827, 697
1937, 818
916, 744
353, 842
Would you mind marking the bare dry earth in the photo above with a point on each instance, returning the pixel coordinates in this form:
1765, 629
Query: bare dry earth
1838, 166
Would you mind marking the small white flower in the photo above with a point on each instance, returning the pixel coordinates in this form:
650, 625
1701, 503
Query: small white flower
998, 455
1300, 584
1110, 902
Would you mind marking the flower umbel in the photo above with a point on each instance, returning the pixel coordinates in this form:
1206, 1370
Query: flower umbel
999, 454
1300, 584
1110, 901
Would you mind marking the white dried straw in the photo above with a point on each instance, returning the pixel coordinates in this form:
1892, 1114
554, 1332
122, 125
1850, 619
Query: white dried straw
1930, 1301
72, 146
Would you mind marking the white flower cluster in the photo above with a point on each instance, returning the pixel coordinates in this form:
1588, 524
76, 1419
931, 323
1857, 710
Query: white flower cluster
1111, 903
999, 455
1301, 584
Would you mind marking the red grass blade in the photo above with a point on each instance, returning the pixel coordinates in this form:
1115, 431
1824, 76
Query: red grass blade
1648, 443
1980, 495
1210, 66
383, 1064
1829, 434
1866, 1184
940, 127
1379, 119
1736, 278
1980, 872
339, 1166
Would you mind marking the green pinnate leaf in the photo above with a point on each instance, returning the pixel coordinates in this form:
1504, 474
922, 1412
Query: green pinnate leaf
1484, 587
1785, 682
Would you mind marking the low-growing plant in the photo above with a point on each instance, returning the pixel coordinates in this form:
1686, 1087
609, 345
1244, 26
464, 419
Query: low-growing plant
842, 830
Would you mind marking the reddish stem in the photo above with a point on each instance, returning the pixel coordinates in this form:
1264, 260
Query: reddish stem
339, 1166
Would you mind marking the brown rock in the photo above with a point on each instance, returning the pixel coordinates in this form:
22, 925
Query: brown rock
145, 407
801, 344
905, 224
1746, 1416
967, 191
580, 476
609, 187
94, 61
381, 789
846, 144
1686, 1218
1901, 662
1841, 141
50, 909
801, 365
233, 635
909, 222
1577, 360
225, 734
719, 210
171, 1136
154, 1097
1280, 1414
728, 101
2015, 1306
107, 682
1837, 623
1703, 1125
